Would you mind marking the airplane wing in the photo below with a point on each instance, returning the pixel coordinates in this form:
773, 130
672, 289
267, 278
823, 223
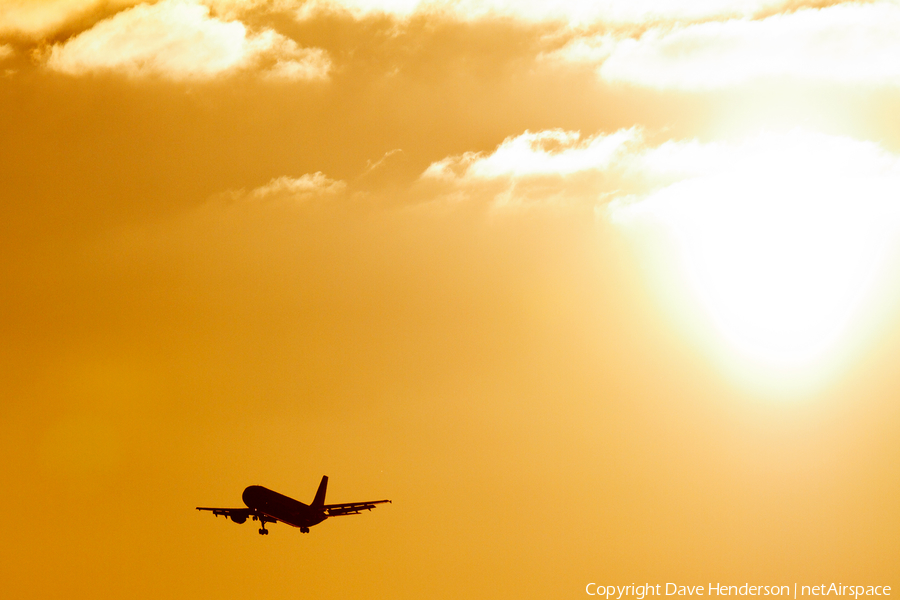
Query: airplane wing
239, 515
351, 508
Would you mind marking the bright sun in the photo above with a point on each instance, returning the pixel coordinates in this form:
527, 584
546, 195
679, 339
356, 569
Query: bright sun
782, 240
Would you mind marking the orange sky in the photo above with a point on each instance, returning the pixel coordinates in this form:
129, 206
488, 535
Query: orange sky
463, 255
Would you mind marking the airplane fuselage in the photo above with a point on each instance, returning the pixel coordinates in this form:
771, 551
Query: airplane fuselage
282, 508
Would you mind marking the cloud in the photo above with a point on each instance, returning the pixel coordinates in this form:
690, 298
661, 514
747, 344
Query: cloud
35, 20
571, 11
553, 166
846, 44
5, 51
541, 153
622, 169
298, 64
781, 158
297, 188
178, 40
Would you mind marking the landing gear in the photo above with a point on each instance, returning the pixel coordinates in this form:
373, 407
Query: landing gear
304, 530
262, 525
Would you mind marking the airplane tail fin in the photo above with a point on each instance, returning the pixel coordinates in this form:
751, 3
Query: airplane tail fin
319, 500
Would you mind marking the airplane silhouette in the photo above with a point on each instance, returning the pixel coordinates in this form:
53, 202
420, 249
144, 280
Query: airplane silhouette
266, 506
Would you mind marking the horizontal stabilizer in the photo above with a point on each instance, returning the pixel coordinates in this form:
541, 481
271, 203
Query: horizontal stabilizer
351, 508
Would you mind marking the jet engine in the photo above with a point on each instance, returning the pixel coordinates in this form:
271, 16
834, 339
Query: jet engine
238, 518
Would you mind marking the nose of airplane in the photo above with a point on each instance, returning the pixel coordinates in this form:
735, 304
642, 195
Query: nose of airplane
251, 495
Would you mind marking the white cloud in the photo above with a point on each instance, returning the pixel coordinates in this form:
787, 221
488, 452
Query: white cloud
5, 51
570, 11
299, 64
846, 44
552, 166
38, 19
622, 171
555, 166
298, 188
178, 40
561, 152
541, 153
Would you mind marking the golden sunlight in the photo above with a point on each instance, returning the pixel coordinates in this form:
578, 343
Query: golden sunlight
782, 242
569, 254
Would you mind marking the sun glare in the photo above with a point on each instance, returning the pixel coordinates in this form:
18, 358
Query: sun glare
782, 246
